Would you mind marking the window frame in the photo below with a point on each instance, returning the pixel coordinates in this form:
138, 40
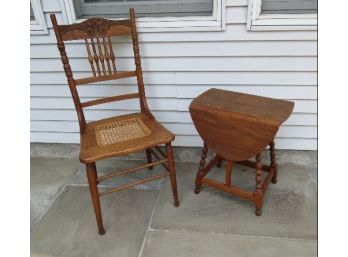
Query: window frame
38, 26
216, 22
273, 22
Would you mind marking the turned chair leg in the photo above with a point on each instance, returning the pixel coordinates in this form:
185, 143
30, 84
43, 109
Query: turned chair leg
258, 194
200, 174
149, 157
273, 162
172, 173
92, 182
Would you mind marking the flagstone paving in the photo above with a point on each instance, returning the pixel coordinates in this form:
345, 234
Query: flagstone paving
142, 221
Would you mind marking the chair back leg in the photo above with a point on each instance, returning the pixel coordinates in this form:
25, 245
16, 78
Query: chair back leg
172, 173
93, 188
149, 157
228, 175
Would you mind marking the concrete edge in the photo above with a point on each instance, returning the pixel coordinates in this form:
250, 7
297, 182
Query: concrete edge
181, 154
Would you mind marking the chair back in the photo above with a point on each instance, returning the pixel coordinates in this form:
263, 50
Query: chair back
97, 33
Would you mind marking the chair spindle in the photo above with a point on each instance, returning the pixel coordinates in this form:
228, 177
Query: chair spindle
101, 56
107, 55
96, 57
90, 57
112, 55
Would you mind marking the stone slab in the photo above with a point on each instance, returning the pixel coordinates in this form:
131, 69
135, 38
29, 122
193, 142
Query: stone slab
47, 178
69, 227
190, 244
289, 211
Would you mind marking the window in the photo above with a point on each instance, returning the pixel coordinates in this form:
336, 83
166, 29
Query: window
37, 20
282, 15
153, 15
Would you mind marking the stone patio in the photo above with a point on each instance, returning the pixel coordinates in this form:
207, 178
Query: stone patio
143, 222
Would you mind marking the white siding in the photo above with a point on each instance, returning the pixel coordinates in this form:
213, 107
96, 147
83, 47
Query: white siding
177, 67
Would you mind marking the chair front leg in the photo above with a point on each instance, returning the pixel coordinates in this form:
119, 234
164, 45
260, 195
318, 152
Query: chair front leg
92, 182
172, 173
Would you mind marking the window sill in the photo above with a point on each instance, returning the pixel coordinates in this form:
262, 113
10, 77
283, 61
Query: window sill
280, 27
264, 23
37, 29
282, 22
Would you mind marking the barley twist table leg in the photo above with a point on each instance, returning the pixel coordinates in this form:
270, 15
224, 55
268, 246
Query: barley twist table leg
273, 162
258, 194
200, 174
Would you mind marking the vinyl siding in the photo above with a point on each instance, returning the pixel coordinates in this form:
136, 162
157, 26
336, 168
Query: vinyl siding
177, 67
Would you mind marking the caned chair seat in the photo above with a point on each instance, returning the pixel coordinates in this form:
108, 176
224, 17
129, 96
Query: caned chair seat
121, 135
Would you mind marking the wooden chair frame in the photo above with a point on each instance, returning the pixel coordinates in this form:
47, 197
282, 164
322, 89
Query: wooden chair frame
96, 33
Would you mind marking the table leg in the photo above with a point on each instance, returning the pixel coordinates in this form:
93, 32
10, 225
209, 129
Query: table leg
200, 173
273, 162
258, 194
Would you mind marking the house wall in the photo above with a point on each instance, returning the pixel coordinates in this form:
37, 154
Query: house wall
177, 67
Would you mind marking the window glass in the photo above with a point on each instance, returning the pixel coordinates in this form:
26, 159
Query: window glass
289, 6
143, 8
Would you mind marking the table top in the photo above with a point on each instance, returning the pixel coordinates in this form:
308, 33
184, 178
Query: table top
245, 106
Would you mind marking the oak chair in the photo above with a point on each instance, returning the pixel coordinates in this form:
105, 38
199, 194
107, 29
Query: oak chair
118, 135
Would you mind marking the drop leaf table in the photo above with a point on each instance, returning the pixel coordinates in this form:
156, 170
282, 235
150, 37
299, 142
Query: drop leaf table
237, 127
